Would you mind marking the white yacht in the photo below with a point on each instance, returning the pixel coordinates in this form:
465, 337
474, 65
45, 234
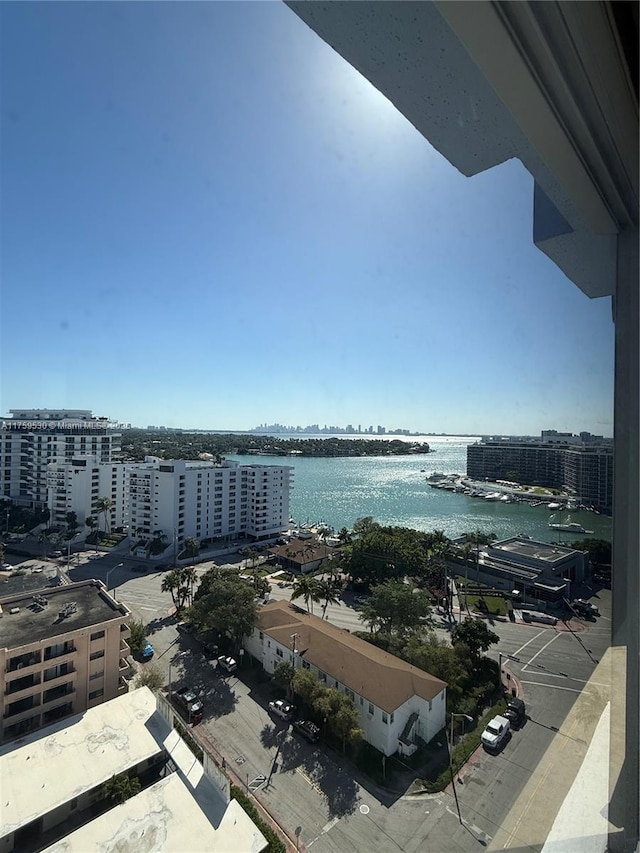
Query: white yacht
571, 527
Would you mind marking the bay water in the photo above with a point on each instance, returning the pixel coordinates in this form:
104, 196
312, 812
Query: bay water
394, 490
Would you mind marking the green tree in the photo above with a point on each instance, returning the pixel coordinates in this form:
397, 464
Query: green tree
229, 606
192, 548
120, 788
475, 635
138, 636
394, 607
437, 657
2, 552
362, 526
599, 550
283, 677
171, 583
344, 536
72, 520
46, 538
104, 505
305, 685
306, 587
339, 713
151, 676
328, 590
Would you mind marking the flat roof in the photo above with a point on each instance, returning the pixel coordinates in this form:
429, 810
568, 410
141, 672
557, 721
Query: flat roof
165, 817
183, 811
533, 550
47, 768
31, 624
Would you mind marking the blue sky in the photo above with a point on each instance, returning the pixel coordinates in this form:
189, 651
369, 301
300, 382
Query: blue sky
210, 220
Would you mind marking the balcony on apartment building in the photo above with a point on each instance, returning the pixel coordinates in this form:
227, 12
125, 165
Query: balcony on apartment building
24, 661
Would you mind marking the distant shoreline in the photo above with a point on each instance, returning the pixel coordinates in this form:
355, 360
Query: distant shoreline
136, 444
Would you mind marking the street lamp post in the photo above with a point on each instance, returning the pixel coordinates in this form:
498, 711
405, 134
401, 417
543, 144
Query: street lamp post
450, 745
119, 566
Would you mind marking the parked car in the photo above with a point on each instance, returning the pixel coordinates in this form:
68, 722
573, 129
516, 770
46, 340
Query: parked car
584, 605
147, 651
187, 699
307, 729
516, 712
227, 663
281, 709
496, 733
535, 616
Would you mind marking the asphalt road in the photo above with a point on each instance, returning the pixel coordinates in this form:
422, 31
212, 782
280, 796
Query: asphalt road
336, 809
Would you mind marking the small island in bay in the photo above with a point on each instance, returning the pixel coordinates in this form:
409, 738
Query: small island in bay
175, 444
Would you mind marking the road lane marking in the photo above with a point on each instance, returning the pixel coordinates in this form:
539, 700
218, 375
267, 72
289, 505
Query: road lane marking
517, 652
555, 686
546, 645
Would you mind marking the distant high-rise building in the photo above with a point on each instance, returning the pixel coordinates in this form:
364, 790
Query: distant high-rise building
583, 466
32, 439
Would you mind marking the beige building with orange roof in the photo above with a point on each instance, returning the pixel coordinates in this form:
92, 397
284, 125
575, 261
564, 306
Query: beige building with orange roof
398, 703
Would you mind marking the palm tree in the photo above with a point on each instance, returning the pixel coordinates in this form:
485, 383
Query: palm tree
103, 505
328, 593
188, 578
46, 538
344, 536
306, 587
171, 582
192, 548
120, 788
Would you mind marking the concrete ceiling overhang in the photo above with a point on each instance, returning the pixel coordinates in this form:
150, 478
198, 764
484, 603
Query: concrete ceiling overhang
484, 82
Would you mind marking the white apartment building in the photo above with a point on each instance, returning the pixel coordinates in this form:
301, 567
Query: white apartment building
33, 439
397, 703
207, 500
76, 486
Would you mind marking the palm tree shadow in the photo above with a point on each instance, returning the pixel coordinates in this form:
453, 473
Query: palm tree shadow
271, 736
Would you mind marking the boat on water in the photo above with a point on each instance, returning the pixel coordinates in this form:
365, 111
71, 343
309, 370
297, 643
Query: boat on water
571, 527
493, 496
555, 506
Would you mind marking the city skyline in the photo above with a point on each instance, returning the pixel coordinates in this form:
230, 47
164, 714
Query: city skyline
284, 248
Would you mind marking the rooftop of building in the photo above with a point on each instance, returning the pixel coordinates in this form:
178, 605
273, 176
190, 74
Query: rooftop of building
34, 623
531, 549
365, 669
183, 811
303, 551
53, 414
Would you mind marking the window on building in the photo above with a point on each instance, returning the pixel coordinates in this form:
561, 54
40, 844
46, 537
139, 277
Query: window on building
98, 674
96, 655
97, 635
279, 653
96, 694
371, 709
385, 718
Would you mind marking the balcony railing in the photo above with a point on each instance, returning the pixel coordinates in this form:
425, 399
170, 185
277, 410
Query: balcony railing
23, 661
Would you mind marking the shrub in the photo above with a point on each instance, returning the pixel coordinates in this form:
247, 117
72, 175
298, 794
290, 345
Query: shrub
463, 751
275, 844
